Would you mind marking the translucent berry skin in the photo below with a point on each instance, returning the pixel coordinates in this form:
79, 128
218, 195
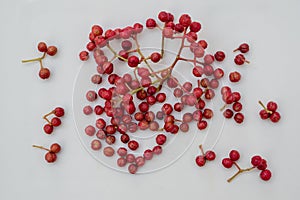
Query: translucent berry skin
219, 56
239, 118
234, 155
239, 59
84, 55
228, 113
227, 162
200, 161
265, 175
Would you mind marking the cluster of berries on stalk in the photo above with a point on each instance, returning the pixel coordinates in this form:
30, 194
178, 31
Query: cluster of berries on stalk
44, 72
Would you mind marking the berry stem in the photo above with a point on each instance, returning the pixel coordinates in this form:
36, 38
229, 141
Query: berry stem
115, 54
40, 147
223, 107
46, 115
35, 59
264, 107
191, 60
201, 149
239, 172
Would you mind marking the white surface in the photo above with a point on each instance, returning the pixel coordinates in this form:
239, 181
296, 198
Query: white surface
271, 28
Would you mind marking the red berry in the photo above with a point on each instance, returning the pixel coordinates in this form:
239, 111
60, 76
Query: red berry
210, 155
55, 148
48, 128
235, 77
244, 48
264, 114
51, 50
227, 162
272, 106
275, 117
262, 165
133, 145
42, 47
265, 175
256, 160
195, 26
228, 113
185, 20
55, 121
59, 112
50, 157
84, 55
44, 73
239, 118
219, 56
234, 155
150, 23
237, 106
240, 59
161, 139
155, 57
97, 30
200, 160
133, 61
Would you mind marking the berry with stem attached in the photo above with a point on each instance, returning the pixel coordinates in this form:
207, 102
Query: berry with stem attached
50, 156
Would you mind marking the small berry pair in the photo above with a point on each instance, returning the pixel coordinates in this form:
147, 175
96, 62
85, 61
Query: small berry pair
240, 58
208, 155
256, 161
55, 121
50, 156
44, 72
270, 112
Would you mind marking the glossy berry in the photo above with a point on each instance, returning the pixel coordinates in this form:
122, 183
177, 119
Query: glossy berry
243, 48
240, 59
55, 148
210, 155
51, 50
256, 160
50, 157
200, 160
219, 56
265, 175
227, 162
59, 111
133, 61
44, 73
234, 155
48, 128
42, 47
55, 121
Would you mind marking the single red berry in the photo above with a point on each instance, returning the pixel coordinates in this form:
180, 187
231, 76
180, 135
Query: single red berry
200, 160
161, 139
195, 27
272, 106
210, 155
227, 162
237, 106
185, 20
84, 55
150, 23
265, 175
59, 112
234, 76
42, 47
155, 57
55, 121
51, 50
44, 73
234, 155
203, 44
239, 118
50, 157
256, 160
262, 165
48, 128
228, 113
275, 117
97, 30
133, 61
55, 148
264, 114
133, 145
219, 56
244, 48
240, 59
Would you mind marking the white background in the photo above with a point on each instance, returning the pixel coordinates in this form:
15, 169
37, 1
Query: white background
271, 28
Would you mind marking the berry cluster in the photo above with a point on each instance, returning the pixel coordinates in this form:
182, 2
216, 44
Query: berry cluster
208, 155
55, 121
127, 105
256, 161
232, 98
270, 112
44, 72
50, 156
